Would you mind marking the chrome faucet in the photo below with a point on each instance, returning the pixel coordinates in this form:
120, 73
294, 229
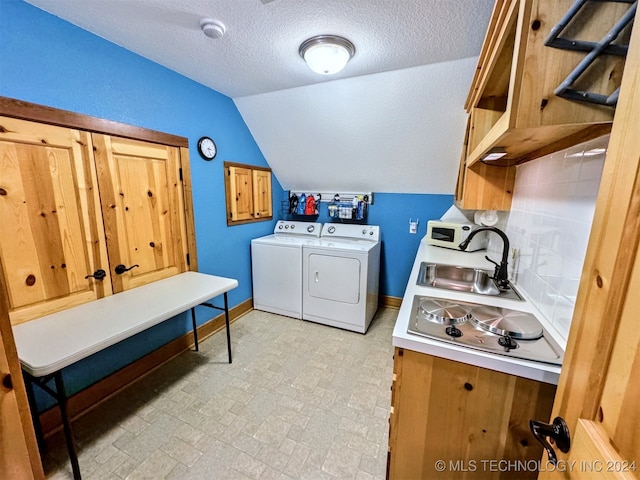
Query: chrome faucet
500, 274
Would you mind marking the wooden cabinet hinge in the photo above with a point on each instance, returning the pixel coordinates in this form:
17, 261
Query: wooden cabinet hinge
180, 173
188, 260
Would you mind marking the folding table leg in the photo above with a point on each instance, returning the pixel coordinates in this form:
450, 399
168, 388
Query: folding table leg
66, 424
226, 319
195, 327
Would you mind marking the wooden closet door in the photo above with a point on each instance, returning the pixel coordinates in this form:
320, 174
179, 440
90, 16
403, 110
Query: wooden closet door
51, 235
143, 209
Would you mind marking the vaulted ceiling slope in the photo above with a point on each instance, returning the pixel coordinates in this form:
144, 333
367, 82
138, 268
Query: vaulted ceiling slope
399, 99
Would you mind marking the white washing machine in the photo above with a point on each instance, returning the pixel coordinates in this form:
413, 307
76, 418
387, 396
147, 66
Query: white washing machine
276, 267
341, 276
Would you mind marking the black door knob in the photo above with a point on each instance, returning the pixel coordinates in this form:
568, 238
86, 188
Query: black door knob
120, 268
98, 275
558, 431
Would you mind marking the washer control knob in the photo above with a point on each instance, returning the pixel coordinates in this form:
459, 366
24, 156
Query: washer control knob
364, 231
331, 229
311, 228
286, 226
280, 227
371, 232
293, 226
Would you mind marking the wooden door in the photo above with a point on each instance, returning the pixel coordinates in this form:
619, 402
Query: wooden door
600, 382
51, 236
143, 209
241, 193
262, 205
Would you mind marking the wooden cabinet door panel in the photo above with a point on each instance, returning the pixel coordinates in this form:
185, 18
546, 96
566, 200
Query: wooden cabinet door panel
262, 193
142, 205
51, 229
451, 411
241, 193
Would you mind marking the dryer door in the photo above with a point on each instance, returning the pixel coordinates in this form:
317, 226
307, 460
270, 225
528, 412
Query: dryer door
334, 278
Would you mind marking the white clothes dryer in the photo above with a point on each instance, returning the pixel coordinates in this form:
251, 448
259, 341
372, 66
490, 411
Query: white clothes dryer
341, 276
276, 267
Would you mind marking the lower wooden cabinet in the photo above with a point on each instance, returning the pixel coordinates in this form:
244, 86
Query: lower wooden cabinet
450, 420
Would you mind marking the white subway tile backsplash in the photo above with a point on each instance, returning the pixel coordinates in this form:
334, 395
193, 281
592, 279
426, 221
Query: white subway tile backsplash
591, 167
549, 223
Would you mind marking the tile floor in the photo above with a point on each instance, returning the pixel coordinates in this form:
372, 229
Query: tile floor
300, 401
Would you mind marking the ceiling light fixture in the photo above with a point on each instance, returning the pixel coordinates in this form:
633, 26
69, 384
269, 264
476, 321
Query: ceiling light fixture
327, 54
212, 28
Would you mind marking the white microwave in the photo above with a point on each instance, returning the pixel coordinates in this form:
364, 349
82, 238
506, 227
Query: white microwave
450, 235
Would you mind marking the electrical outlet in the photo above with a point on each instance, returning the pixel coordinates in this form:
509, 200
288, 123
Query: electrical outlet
413, 226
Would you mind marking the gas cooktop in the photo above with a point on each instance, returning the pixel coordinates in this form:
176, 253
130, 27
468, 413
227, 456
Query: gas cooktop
483, 327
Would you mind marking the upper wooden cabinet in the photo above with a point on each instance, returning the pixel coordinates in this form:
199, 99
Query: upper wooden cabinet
87, 214
481, 186
511, 103
248, 193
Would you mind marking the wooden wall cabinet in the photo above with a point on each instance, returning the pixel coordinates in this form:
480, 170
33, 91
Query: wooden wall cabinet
511, 103
75, 202
248, 193
461, 414
482, 186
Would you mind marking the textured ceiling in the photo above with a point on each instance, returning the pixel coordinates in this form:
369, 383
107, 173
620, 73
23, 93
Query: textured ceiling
259, 51
391, 121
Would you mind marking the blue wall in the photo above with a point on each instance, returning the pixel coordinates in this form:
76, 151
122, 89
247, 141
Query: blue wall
65, 67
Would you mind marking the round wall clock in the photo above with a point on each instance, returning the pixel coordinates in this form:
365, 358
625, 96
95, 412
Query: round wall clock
207, 148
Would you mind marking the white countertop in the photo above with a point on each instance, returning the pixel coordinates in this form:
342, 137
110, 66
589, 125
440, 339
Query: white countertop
52, 342
533, 370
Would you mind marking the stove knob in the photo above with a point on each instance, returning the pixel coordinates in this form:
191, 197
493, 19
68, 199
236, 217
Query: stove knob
507, 342
453, 331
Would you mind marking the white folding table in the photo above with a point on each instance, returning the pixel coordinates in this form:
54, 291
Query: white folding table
48, 344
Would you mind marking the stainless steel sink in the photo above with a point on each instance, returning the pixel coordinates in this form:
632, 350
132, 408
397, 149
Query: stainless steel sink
462, 279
